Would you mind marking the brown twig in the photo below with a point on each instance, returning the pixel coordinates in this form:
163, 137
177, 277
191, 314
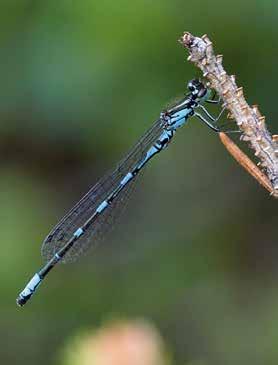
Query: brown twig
248, 119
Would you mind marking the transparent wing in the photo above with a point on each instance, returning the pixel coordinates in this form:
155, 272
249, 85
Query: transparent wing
84, 209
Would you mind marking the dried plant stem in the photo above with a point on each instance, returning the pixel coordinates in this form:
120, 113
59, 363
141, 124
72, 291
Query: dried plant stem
245, 162
248, 119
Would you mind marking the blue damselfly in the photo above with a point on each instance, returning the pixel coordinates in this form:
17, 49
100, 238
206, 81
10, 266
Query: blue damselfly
94, 214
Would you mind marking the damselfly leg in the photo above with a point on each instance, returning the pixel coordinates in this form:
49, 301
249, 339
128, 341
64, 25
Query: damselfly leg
204, 120
212, 100
214, 120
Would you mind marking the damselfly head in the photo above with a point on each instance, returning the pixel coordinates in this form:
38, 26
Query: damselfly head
197, 89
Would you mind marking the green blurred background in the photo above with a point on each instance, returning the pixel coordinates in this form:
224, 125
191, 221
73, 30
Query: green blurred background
196, 251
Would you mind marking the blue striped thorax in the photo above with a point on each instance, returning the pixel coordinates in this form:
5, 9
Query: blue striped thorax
176, 120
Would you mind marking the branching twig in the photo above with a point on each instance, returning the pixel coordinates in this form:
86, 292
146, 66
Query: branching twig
248, 119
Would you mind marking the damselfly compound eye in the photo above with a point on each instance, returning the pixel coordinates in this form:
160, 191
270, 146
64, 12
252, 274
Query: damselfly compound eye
190, 86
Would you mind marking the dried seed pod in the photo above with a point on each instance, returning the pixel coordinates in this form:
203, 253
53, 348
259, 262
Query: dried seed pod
245, 162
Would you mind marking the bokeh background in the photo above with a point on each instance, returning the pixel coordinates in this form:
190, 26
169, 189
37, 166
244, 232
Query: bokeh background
195, 254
